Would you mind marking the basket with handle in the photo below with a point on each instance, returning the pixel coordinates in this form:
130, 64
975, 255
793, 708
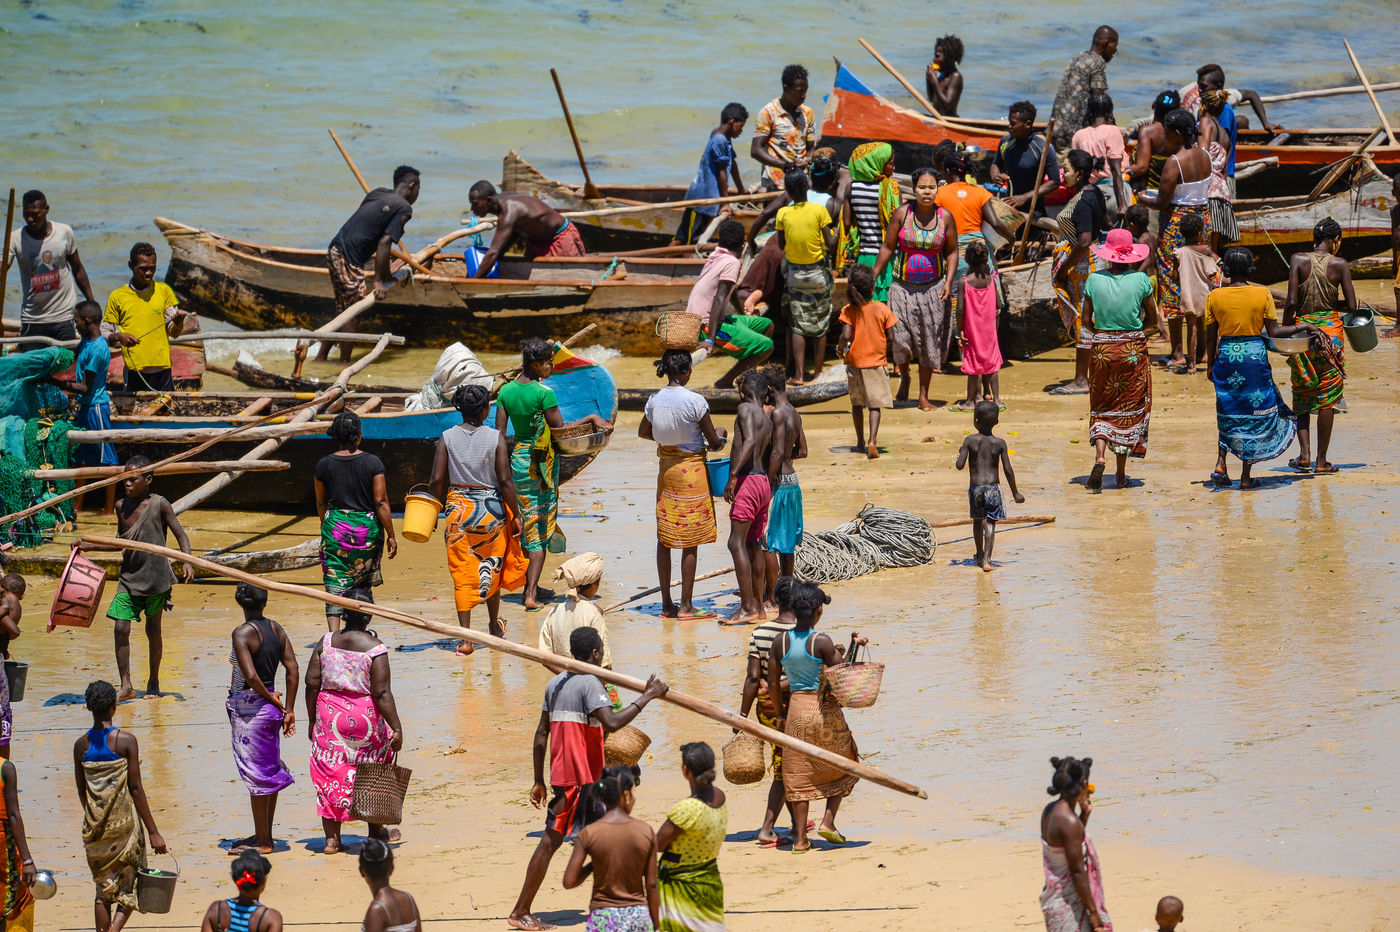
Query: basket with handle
625, 746
853, 684
743, 760
380, 788
679, 330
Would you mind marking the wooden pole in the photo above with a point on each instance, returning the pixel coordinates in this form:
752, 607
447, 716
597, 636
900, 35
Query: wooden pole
255, 430
655, 589
424, 254
289, 333
927, 104
590, 190
509, 374
1015, 519
1035, 192
670, 205
43, 341
1371, 93
1330, 92
552, 661
5, 256
396, 250
1337, 170
174, 469
267, 446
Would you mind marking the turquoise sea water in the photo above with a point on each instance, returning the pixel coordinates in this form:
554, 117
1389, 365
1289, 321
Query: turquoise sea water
216, 114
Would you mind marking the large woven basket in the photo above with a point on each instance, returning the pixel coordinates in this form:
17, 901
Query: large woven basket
625, 746
679, 330
380, 789
743, 760
568, 433
852, 684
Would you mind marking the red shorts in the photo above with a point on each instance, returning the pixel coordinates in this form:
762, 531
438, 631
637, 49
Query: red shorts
566, 242
751, 500
563, 811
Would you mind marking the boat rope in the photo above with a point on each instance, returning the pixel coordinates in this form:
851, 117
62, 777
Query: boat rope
607, 272
878, 538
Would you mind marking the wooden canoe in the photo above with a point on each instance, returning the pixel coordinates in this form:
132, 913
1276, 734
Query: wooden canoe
726, 400
855, 114
640, 230
404, 440
297, 557
261, 287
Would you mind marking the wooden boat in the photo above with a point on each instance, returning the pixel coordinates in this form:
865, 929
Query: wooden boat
640, 230
297, 557
404, 440
726, 400
855, 114
260, 287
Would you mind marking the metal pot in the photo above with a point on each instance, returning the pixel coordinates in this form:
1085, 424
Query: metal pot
44, 886
1289, 346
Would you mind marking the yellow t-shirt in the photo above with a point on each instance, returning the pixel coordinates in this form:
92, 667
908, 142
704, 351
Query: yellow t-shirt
702, 830
1240, 310
801, 226
143, 314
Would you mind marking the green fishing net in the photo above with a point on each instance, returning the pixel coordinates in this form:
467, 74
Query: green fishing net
33, 435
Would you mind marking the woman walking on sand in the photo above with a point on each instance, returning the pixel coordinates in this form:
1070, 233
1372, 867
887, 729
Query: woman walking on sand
244, 913
1072, 900
357, 528
472, 474
16, 863
692, 893
623, 851
353, 718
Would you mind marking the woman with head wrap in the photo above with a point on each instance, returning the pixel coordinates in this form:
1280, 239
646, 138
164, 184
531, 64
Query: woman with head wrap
1146, 171
581, 575
1319, 292
873, 199
472, 475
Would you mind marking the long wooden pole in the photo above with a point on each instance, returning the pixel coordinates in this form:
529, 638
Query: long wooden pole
396, 250
670, 205
590, 190
554, 661
1371, 93
5, 256
927, 104
174, 469
1330, 92
267, 446
655, 589
1337, 170
1035, 191
288, 333
1014, 519
260, 429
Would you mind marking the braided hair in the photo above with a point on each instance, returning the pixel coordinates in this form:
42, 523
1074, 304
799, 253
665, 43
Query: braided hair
1238, 262
1326, 228
469, 400
615, 781
345, 429
673, 364
808, 599
1184, 125
376, 859
100, 697
1071, 776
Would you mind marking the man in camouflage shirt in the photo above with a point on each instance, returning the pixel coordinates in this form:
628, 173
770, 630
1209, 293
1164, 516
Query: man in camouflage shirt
1086, 72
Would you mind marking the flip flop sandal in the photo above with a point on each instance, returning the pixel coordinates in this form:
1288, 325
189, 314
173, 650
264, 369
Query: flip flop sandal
1253, 484
698, 616
1066, 390
1095, 481
831, 835
1220, 479
1319, 470
1300, 464
778, 842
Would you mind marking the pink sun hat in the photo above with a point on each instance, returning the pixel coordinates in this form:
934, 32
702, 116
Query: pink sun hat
1121, 248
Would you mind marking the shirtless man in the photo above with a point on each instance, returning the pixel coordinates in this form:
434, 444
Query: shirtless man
545, 230
752, 476
785, 514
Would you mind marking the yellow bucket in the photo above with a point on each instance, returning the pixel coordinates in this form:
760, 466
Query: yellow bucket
420, 516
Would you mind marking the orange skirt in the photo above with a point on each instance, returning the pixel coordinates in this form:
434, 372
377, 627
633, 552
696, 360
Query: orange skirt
685, 512
482, 555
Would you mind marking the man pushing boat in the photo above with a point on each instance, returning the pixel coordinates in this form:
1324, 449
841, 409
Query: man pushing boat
546, 231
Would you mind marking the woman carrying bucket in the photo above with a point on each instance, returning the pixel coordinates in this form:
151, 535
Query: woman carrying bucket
116, 816
471, 473
678, 419
357, 527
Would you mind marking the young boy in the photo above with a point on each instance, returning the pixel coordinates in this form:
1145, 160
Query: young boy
1170, 912
1200, 274
785, 513
717, 163
12, 588
983, 489
867, 327
743, 336
146, 579
90, 387
749, 492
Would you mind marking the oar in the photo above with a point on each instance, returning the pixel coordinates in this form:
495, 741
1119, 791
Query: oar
927, 104
655, 589
5, 256
1330, 92
396, 250
1035, 191
551, 661
590, 190
1370, 92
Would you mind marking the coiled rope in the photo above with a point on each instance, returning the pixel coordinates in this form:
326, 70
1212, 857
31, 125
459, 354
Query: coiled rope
878, 538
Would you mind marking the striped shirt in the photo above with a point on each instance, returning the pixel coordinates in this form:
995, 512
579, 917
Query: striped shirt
239, 914
575, 737
865, 209
762, 639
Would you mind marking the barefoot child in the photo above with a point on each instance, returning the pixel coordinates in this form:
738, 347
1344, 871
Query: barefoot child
867, 327
12, 588
983, 489
249, 870
1200, 274
785, 514
749, 492
94, 404
1170, 910
978, 294
146, 579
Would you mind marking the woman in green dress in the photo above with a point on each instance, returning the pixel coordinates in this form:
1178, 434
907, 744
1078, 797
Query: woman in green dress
692, 893
532, 411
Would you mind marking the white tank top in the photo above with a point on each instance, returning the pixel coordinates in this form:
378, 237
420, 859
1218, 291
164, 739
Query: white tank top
1190, 193
471, 455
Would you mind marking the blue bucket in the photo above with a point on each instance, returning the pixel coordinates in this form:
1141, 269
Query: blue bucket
718, 471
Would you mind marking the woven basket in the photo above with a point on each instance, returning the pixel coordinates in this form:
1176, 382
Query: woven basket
380, 789
625, 746
679, 330
852, 684
743, 760
578, 430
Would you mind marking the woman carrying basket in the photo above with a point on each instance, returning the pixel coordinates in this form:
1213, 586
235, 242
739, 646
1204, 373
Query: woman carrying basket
811, 714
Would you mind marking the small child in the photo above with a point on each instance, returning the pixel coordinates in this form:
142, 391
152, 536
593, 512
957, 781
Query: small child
94, 404
623, 852
581, 576
1199, 269
979, 296
12, 588
983, 489
249, 871
867, 328
1170, 912
1138, 219
146, 579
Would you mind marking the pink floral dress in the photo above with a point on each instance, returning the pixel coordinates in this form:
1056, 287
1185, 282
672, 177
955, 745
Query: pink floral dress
348, 727
1059, 902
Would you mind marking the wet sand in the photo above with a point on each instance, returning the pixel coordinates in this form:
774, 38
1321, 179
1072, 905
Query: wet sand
1225, 657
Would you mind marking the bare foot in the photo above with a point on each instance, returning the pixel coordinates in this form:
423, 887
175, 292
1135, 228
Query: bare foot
926, 405
872, 452
528, 922
153, 689
795, 383
987, 566
466, 649
126, 693
742, 617
1390, 334
332, 846
770, 608
260, 849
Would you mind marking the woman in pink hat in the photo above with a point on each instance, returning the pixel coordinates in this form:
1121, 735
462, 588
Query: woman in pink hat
1118, 305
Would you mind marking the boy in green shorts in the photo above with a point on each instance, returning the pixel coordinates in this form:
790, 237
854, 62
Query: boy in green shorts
146, 579
743, 336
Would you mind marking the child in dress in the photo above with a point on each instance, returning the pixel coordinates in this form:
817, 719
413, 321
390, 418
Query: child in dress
979, 296
1200, 274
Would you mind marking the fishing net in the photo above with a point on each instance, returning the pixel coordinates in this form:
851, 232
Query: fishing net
22, 391
44, 445
878, 538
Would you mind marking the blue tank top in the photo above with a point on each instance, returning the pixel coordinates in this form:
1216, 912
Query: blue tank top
804, 672
97, 749
239, 914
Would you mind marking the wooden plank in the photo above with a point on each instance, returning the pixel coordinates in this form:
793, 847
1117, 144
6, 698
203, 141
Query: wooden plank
1329, 92
286, 333
257, 407
174, 469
